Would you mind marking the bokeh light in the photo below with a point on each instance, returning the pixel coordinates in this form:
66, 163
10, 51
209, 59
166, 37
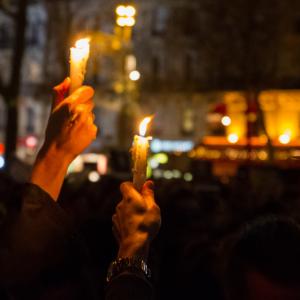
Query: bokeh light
94, 176
285, 139
226, 121
135, 75
2, 162
233, 138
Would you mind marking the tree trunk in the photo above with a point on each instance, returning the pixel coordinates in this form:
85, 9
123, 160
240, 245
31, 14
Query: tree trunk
14, 85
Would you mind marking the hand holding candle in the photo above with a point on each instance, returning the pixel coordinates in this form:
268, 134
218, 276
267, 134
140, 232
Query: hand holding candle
78, 62
140, 151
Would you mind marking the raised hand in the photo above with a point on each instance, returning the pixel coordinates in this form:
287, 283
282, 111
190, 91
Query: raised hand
70, 130
136, 221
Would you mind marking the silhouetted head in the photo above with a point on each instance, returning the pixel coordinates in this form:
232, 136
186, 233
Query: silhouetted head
265, 261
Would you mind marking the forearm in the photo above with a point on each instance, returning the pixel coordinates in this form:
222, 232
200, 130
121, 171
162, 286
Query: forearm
49, 171
135, 247
35, 238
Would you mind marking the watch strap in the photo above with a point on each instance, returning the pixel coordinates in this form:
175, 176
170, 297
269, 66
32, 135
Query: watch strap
129, 264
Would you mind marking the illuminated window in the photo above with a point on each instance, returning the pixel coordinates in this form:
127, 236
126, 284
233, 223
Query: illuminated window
188, 121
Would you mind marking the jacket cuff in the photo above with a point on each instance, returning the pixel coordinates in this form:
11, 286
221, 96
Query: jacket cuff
134, 286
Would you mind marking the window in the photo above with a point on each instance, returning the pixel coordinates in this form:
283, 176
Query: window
160, 20
185, 20
188, 121
30, 120
156, 68
5, 38
188, 68
2, 116
297, 26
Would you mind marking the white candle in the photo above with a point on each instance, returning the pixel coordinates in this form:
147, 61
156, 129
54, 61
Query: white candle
140, 152
78, 61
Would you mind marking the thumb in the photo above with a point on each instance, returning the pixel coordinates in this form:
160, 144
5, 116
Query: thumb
60, 91
147, 192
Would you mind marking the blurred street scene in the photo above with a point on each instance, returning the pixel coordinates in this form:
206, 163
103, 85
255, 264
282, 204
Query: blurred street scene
222, 80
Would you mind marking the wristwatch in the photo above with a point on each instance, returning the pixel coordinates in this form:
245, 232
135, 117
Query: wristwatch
130, 264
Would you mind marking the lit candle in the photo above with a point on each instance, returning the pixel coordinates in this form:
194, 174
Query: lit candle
140, 151
78, 61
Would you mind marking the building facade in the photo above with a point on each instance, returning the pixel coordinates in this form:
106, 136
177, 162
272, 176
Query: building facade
186, 51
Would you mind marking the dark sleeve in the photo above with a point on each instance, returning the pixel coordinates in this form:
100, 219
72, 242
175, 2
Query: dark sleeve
129, 286
35, 239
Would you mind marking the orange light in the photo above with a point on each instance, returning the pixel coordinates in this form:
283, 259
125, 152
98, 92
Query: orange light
143, 126
285, 139
233, 138
226, 121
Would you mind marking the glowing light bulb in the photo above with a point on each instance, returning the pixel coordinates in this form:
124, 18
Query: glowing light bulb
285, 138
226, 121
135, 75
121, 21
233, 138
94, 176
121, 10
130, 11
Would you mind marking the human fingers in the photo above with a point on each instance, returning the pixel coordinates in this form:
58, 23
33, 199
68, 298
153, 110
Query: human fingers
83, 121
60, 91
83, 107
79, 119
93, 131
80, 96
91, 119
148, 193
130, 194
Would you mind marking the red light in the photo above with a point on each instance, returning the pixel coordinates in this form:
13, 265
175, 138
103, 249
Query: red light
31, 142
2, 148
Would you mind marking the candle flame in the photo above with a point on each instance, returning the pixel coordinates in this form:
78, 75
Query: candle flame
83, 43
143, 125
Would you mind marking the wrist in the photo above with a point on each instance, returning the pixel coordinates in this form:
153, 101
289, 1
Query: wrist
134, 247
57, 157
134, 265
49, 170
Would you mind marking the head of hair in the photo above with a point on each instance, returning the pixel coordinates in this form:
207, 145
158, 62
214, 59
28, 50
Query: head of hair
269, 246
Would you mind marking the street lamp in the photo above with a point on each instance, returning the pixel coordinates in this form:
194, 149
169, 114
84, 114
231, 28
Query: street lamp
125, 15
125, 21
134, 75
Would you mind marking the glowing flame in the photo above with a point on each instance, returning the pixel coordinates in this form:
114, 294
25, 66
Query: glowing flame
143, 125
83, 44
